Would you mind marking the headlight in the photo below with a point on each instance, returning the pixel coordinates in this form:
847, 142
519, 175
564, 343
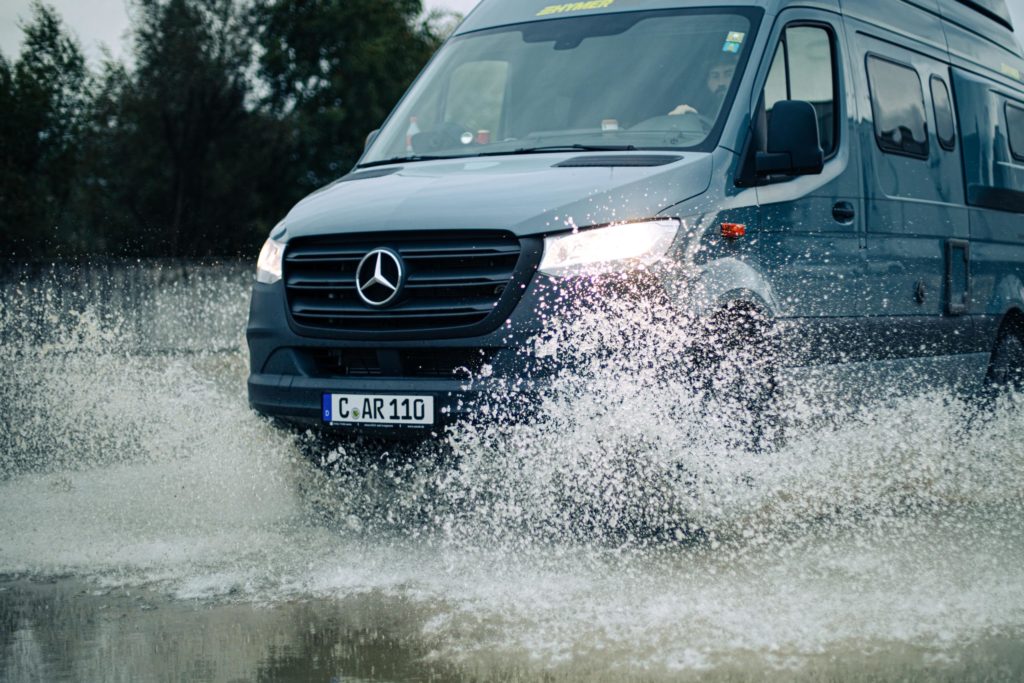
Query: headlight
617, 248
268, 267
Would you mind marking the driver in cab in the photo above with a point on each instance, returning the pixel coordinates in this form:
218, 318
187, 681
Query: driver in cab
709, 100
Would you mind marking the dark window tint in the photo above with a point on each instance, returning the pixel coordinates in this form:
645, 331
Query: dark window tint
803, 69
897, 102
944, 128
1015, 130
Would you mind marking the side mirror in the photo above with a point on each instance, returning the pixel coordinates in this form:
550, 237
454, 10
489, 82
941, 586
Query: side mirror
794, 146
370, 138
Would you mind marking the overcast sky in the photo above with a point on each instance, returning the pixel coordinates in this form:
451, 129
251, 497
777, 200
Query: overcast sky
106, 21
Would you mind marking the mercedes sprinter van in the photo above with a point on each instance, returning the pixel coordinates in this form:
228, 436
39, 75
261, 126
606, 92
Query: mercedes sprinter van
850, 172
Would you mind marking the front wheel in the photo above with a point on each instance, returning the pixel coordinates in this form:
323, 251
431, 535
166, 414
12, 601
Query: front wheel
738, 362
1006, 367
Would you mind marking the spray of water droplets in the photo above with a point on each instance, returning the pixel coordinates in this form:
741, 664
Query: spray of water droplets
627, 514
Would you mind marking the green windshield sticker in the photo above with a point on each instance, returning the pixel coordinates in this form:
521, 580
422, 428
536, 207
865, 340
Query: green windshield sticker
734, 41
1011, 72
575, 7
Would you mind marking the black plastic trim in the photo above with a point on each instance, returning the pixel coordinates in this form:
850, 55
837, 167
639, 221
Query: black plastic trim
952, 292
616, 160
998, 13
873, 338
999, 198
1013, 140
366, 175
948, 144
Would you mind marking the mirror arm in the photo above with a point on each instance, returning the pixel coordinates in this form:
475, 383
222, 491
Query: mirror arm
768, 163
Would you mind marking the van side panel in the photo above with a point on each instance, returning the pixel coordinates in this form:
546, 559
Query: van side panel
914, 200
995, 194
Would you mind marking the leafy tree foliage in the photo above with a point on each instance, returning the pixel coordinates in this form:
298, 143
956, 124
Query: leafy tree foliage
334, 69
44, 99
186, 173
232, 111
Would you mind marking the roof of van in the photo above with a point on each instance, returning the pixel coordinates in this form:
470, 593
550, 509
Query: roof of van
993, 9
491, 13
501, 12
988, 19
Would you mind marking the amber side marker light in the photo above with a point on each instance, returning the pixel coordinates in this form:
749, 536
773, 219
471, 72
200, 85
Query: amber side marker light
732, 231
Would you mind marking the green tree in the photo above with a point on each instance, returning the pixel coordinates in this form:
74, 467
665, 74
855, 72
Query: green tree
9, 175
334, 69
192, 149
45, 102
101, 200
232, 111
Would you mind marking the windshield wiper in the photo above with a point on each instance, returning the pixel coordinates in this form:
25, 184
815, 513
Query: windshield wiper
521, 150
410, 158
564, 148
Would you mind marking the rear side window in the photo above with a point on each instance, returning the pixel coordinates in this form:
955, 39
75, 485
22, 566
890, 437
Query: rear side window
944, 127
804, 69
897, 102
1015, 130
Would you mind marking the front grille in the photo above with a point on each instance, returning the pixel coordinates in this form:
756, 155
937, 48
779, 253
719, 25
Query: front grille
460, 363
454, 280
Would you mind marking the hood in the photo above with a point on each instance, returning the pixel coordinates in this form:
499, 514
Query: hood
527, 195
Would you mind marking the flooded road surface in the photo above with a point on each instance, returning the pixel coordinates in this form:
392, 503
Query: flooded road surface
153, 528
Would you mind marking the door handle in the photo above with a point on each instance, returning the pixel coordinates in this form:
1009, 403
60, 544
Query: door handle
843, 212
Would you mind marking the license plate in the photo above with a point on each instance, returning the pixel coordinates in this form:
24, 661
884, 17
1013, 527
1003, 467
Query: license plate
385, 409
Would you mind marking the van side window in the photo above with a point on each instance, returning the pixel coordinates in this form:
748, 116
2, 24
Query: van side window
897, 102
945, 130
1015, 130
804, 69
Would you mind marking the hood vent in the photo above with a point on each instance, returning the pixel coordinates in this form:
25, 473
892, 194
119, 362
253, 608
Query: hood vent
615, 160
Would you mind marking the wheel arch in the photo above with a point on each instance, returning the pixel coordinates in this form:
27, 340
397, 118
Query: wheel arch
1006, 360
724, 283
1013, 318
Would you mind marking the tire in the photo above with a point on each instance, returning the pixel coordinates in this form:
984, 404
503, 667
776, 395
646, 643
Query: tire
1006, 367
738, 363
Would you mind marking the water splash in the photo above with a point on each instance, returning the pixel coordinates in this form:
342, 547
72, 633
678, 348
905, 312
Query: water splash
624, 524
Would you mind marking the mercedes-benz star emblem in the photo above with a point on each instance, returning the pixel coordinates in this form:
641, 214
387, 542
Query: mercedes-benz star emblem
379, 277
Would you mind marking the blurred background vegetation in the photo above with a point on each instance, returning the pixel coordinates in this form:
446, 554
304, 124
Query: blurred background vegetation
228, 112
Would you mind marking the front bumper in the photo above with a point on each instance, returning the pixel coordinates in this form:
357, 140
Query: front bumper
297, 400
287, 382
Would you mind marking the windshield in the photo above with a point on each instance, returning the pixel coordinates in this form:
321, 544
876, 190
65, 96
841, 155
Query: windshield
643, 80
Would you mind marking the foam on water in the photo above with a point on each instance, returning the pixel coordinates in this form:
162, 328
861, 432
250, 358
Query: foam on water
618, 531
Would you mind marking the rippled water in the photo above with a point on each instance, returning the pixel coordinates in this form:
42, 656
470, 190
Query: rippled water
152, 527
